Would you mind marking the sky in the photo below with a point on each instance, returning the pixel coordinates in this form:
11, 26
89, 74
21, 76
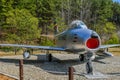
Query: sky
117, 1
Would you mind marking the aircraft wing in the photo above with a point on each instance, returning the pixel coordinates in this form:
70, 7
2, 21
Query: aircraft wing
34, 47
108, 46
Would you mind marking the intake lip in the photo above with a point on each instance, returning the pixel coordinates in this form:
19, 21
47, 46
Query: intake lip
92, 43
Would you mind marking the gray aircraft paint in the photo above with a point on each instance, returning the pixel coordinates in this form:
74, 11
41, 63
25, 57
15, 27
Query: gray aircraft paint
75, 37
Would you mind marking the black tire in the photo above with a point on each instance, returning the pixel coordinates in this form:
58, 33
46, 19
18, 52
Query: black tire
49, 57
81, 57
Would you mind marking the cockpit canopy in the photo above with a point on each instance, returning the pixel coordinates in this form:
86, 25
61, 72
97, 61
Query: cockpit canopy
78, 24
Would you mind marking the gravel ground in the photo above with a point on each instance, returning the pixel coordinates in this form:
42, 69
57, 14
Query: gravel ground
36, 68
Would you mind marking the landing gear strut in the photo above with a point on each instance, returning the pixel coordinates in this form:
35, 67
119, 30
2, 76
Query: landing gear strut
49, 56
89, 65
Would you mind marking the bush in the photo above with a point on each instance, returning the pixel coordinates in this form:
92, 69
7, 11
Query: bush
113, 40
46, 41
8, 49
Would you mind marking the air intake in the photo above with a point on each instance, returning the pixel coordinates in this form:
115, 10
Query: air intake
92, 43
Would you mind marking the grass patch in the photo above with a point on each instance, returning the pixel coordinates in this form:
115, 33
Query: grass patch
115, 51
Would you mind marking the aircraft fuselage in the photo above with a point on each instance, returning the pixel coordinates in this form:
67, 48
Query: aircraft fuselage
76, 39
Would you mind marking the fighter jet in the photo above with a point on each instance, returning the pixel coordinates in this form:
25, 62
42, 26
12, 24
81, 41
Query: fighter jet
77, 39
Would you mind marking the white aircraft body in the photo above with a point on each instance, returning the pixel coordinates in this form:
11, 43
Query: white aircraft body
77, 39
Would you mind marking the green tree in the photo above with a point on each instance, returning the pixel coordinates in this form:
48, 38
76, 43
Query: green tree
5, 6
21, 26
116, 13
44, 10
113, 40
18, 18
101, 11
106, 31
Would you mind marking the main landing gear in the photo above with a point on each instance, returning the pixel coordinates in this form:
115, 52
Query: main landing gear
49, 56
26, 54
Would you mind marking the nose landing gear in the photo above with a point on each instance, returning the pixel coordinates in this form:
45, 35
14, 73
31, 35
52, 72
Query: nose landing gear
90, 74
87, 57
89, 66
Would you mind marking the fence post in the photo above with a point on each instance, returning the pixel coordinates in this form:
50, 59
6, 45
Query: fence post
21, 69
71, 70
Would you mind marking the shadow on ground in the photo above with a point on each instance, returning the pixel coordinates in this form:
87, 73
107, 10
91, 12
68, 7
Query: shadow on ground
56, 66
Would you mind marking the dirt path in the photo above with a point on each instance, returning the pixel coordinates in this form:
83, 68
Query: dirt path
3, 77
